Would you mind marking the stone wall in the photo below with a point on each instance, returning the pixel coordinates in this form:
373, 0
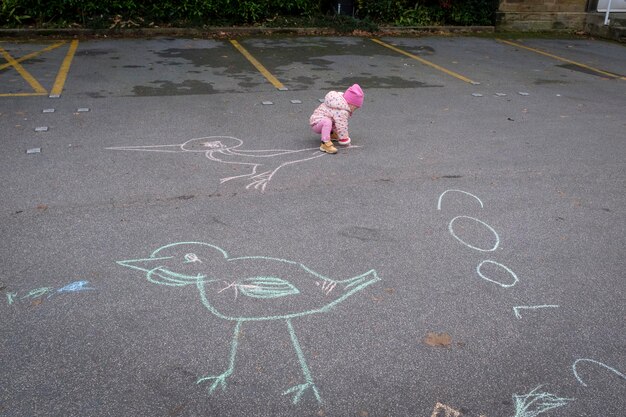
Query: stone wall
527, 15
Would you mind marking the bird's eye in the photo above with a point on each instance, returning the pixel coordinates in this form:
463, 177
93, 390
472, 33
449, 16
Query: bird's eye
192, 257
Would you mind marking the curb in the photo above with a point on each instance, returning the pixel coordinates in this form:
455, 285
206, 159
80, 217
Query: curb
218, 32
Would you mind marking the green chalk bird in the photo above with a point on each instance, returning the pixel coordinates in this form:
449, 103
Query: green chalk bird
248, 289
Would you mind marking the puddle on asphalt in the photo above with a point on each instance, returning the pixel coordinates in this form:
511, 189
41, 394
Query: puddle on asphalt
584, 70
381, 82
547, 82
169, 88
94, 52
199, 57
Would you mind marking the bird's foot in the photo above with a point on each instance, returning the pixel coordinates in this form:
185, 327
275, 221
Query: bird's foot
259, 181
219, 380
298, 390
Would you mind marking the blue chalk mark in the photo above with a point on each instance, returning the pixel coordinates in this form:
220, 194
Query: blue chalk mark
76, 286
621, 375
515, 279
451, 229
518, 308
535, 403
457, 191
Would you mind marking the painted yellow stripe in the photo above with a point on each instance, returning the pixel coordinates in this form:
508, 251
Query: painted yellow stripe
258, 65
25, 74
22, 94
59, 83
33, 54
569, 61
425, 62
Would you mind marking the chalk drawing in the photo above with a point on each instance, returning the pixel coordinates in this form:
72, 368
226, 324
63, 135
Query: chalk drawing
518, 308
451, 229
191, 257
39, 292
279, 289
262, 164
76, 286
535, 403
73, 287
457, 191
619, 374
11, 297
515, 279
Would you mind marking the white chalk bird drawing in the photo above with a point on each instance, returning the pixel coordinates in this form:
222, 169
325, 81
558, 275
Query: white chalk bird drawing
263, 164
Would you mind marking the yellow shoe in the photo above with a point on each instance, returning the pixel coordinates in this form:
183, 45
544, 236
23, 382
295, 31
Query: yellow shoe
334, 136
328, 147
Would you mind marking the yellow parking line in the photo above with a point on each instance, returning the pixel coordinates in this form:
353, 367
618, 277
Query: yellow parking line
258, 65
425, 62
22, 94
25, 74
57, 88
33, 54
569, 61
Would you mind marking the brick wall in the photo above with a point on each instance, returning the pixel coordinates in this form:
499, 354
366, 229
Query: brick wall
541, 14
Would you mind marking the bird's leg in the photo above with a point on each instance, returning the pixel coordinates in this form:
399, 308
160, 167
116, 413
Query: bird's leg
299, 389
220, 380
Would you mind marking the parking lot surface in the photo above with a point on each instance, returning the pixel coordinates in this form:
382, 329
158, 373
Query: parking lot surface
175, 244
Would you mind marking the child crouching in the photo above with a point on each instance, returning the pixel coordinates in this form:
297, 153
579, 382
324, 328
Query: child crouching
330, 118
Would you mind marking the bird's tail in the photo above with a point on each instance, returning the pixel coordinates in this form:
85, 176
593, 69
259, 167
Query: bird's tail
359, 282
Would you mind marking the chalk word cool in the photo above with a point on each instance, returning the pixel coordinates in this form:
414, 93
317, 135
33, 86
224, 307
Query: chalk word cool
496, 244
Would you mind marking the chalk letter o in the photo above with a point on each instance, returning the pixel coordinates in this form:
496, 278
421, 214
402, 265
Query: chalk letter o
515, 279
450, 228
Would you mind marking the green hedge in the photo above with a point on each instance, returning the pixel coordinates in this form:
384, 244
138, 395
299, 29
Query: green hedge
107, 13
430, 12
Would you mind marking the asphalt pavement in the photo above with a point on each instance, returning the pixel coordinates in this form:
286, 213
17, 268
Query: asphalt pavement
175, 244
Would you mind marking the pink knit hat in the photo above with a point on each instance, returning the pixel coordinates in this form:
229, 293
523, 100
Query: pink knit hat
354, 95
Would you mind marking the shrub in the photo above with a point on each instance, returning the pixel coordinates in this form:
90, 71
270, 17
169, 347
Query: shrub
199, 12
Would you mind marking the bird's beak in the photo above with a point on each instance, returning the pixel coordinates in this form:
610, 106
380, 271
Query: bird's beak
144, 265
158, 273
149, 148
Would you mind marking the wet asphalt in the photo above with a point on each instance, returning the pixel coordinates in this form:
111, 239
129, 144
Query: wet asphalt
464, 257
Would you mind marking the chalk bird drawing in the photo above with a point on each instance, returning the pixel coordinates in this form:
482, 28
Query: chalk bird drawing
263, 164
250, 289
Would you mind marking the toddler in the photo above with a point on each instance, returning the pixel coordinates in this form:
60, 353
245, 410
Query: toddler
331, 117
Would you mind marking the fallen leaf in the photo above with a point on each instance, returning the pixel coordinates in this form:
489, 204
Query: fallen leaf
36, 302
438, 339
42, 207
